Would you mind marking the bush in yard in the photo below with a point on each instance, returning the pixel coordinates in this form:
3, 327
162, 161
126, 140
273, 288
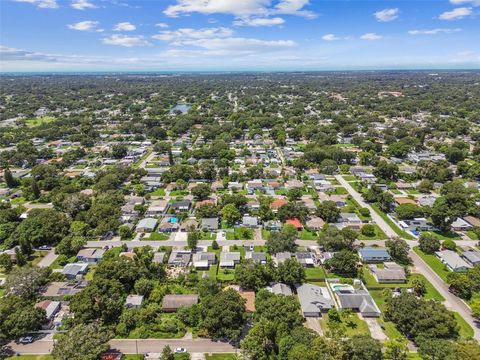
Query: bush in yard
449, 245
428, 243
368, 230
365, 212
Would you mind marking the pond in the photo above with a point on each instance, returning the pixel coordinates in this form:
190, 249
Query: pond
183, 108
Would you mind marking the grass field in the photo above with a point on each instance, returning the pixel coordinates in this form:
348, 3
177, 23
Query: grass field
220, 357
379, 234
315, 274
395, 228
434, 263
31, 357
158, 192
307, 235
157, 236
444, 236
240, 233
351, 324
466, 330
39, 121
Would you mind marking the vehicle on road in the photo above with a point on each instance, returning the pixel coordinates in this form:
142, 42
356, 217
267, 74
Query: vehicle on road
180, 350
26, 340
45, 247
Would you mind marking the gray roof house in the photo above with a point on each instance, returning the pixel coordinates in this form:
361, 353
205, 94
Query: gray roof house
146, 225
134, 301
314, 299
158, 257
453, 261
74, 270
203, 260
279, 289
472, 257
180, 258
210, 224
371, 254
307, 259
256, 256
350, 297
282, 256
183, 205
391, 273
250, 221
91, 256
229, 259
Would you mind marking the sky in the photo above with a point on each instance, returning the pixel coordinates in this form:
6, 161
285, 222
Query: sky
238, 35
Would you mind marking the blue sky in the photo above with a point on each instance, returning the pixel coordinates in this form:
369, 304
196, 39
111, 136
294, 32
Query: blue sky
156, 35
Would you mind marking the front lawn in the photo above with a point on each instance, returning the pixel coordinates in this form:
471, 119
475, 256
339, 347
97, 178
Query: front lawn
315, 274
350, 324
444, 236
472, 235
466, 330
394, 226
379, 234
240, 233
156, 236
158, 192
308, 235
220, 357
205, 235
434, 263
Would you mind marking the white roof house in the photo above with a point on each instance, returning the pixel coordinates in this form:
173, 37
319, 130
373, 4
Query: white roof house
453, 261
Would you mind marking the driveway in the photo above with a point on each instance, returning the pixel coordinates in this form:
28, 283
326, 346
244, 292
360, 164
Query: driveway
313, 323
48, 259
375, 330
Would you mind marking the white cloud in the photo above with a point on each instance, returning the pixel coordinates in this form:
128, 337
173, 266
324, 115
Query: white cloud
259, 21
82, 5
461, 2
434, 31
239, 8
180, 35
43, 4
331, 37
126, 41
371, 37
386, 15
84, 25
457, 13
124, 26
162, 25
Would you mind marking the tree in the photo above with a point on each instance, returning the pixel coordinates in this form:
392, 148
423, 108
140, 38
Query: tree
363, 347
167, 353
224, 315
328, 211
192, 238
408, 211
396, 349
82, 342
18, 318
119, 151
344, 262
35, 189
475, 306
9, 179
368, 230
292, 210
125, 232
436, 349
332, 239
443, 214
419, 287
259, 344
428, 243
386, 170
251, 275
230, 214
70, 245
280, 241
201, 191
294, 194
449, 244
398, 250
290, 272
24, 282
6, 262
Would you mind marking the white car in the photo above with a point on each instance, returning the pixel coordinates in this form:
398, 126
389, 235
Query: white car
180, 350
26, 340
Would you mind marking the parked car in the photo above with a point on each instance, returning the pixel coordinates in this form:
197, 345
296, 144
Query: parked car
180, 350
26, 340
45, 247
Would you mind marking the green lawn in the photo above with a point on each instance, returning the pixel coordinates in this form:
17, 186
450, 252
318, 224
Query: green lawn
395, 228
205, 235
158, 192
379, 234
307, 235
466, 330
472, 235
156, 236
220, 357
444, 236
351, 324
132, 357
265, 234
315, 274
349, 177
340, 191
434, 263
239, 249
240, 233
39, 121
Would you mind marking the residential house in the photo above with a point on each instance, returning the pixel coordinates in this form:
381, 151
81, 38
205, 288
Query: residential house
282, 256
314, 300
203, 260
273, 225
279, 289
188, 224
417, 224
350, 220
134, 301
209, 224
157, 207
158, 257
472, 220
453, 261
256, 256
250, 221
356, 298
146, 225
295, 223
229, 259
183, 205
461, 225
180, 258
372, 254
51, 309
315, 223
75, 270
91, 256
390, 273
171, 303
306, 258
472, 257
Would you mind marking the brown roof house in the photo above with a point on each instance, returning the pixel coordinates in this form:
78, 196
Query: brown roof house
171, 303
